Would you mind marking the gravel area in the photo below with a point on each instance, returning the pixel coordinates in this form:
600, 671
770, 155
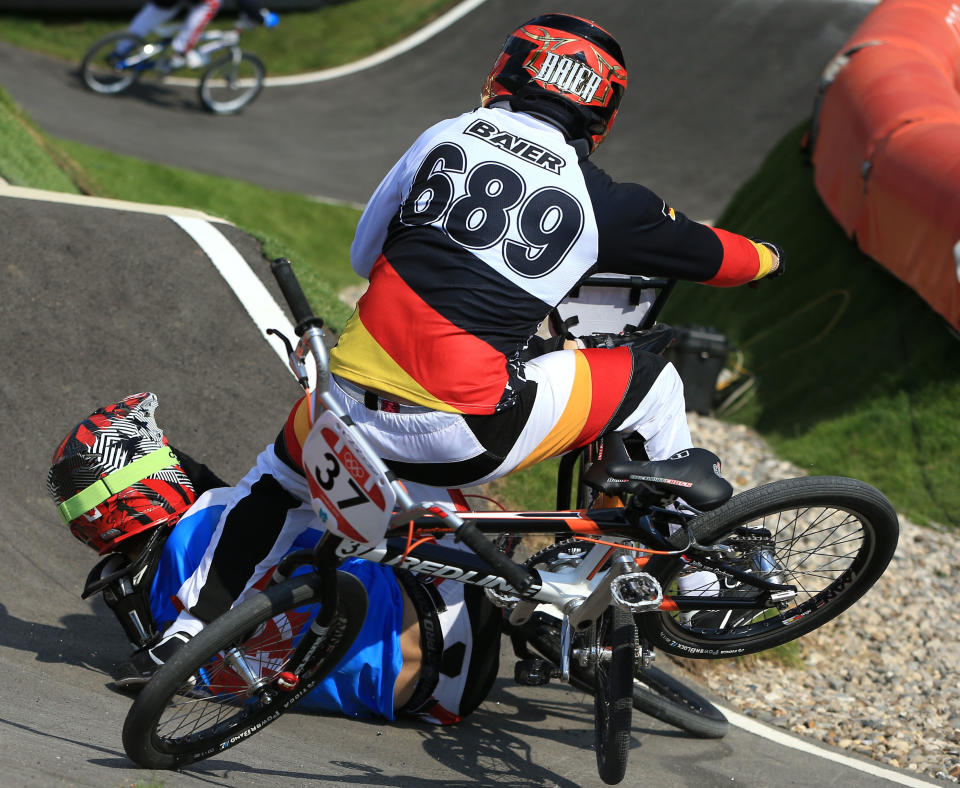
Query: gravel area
881, 679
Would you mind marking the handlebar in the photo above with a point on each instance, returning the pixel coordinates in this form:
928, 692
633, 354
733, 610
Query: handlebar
520, 577
293, 295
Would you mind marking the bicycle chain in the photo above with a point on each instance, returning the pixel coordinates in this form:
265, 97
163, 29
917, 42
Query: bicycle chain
541, 554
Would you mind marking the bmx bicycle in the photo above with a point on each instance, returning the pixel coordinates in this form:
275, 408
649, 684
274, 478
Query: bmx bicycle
231, 80
797, 553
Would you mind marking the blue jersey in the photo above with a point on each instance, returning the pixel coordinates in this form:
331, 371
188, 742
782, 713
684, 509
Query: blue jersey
362, 685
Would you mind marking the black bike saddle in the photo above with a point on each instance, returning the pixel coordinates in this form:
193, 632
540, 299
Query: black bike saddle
692, 474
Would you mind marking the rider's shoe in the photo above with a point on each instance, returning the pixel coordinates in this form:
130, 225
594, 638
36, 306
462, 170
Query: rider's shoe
723, 619
120, 51
189, 59
143, 663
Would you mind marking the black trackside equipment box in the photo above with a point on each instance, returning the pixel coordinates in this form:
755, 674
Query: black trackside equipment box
699, 354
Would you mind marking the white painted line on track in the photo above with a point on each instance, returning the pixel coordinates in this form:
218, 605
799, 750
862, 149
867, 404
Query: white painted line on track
253, 295
25, 193
786, 740
438, 25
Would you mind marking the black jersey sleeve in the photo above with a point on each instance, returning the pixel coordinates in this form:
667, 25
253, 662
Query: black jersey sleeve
639, 233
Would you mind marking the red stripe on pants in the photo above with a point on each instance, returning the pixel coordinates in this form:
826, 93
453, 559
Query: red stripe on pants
610, 372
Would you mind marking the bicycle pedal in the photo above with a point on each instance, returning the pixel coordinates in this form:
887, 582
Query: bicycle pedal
532, 672
502, 599
636, 592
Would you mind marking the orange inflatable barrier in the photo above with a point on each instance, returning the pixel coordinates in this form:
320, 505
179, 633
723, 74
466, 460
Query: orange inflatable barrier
886, 147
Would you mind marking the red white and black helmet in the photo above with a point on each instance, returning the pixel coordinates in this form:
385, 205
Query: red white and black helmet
565, 68
114, 475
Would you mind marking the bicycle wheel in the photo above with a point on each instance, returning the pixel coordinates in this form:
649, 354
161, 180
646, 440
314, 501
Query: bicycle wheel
829, 537
614, 639
231, 83
111, 64
198, 704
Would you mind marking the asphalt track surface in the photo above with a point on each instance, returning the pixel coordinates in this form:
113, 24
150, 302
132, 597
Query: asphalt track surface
101, 303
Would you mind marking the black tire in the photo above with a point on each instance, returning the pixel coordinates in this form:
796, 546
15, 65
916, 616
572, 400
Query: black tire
661, 696
98, 69
192, 707
228, 85
829, 537
614, 636
655, 692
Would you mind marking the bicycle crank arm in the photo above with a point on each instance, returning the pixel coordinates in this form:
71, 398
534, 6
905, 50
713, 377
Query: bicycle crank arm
521, 612
566, 641
580, 612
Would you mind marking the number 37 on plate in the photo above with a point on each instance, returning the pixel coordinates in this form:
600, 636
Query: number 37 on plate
351, 496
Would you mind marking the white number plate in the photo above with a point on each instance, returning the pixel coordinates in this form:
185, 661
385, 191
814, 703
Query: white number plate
350, 495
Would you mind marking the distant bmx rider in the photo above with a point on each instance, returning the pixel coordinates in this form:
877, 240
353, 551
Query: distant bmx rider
199, 15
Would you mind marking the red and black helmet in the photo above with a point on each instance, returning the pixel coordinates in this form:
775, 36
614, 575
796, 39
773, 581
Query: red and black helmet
565, 68
115, 476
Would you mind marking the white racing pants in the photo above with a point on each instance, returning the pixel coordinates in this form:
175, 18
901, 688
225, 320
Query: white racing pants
572, 397
152, 15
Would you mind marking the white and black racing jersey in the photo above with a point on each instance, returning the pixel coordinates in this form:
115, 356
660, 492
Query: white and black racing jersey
480, 229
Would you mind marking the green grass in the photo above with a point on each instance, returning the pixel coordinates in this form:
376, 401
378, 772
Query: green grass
303, 41
856, 374
533, 488
26, 157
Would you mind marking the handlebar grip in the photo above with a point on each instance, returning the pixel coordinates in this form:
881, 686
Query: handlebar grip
518, 576
293, 294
